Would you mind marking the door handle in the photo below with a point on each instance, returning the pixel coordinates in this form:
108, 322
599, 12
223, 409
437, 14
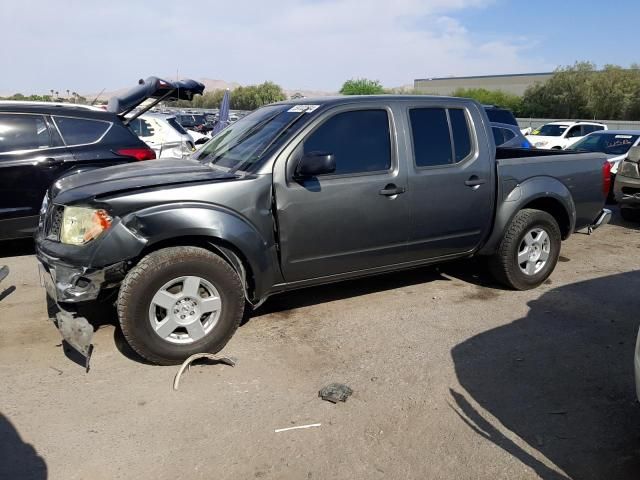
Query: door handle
52, 162
475, 181
391, 190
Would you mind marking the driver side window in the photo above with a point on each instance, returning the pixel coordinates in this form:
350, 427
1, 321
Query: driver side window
359, 140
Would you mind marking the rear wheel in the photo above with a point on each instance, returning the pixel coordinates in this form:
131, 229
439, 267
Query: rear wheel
528, 252
179, 301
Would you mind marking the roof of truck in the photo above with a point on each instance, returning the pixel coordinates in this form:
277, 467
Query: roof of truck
339, 99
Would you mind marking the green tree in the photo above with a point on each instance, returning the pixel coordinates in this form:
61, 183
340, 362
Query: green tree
492, 97
362, 86
255, 96
565, 95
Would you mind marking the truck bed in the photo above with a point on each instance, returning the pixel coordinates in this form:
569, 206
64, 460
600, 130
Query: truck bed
580, 173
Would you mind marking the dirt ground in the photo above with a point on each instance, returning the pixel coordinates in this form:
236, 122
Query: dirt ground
453, 378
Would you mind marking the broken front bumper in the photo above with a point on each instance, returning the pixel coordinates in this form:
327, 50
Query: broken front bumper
72, 284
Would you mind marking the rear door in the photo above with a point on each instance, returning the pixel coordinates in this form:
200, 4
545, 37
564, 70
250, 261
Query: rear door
347, 221
451, 185
31, 156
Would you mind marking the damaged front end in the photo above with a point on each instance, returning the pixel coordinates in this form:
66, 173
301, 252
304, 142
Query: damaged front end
67, 285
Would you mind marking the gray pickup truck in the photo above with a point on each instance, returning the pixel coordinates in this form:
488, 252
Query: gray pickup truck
303, 193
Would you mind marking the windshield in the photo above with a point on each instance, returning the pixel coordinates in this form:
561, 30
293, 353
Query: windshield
609, 143
550, 130
241, 145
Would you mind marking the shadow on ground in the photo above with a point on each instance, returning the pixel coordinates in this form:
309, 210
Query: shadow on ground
18, 459
562, 380
16, 248
472, 271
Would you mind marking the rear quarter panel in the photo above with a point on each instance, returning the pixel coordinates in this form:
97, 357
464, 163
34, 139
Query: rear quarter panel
579, 174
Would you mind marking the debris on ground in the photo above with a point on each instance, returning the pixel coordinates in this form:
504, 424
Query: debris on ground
335, 392
192, 358
4, 272
299, 427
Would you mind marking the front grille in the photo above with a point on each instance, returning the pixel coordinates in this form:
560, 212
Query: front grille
54, 222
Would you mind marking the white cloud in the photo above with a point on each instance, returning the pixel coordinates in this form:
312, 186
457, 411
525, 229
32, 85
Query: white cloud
298, 43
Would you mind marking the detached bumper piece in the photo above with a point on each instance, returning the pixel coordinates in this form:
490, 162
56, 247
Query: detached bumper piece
603, 219
77, 332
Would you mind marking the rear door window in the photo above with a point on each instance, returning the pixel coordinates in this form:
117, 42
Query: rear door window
460, 133
574, 132
431, 138
360, 140
141, 128
441, 137
24, 132
81, 131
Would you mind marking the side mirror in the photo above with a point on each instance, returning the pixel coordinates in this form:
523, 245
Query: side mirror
634, 154
315, 163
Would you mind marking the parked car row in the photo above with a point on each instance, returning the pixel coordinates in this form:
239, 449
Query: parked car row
560, 135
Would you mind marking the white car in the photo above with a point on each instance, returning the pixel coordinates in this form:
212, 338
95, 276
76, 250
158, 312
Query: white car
560, 135
164, 135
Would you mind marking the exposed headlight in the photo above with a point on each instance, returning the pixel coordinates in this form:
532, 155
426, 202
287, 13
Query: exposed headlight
628, 169
81, 225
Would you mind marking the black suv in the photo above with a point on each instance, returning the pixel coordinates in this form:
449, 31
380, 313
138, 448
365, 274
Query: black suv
500, 115
42, 142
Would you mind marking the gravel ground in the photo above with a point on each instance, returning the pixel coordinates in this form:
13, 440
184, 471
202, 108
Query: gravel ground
453, 377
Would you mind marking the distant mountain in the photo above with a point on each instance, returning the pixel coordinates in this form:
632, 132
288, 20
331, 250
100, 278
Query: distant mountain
210, 85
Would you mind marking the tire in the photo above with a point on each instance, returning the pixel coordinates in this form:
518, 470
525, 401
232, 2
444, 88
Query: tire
504, 264
202, 304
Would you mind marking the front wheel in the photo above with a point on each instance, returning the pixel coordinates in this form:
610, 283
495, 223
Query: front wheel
528, 252
179, 301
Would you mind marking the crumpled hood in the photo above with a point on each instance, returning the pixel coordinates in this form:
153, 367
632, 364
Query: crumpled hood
133, 176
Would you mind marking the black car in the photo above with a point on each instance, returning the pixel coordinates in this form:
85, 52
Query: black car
500, 115
41, 142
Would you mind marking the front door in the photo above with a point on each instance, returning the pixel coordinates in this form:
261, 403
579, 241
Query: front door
31, 157
354, 219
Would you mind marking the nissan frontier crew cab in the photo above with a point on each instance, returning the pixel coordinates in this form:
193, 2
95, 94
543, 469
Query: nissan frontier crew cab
303, 193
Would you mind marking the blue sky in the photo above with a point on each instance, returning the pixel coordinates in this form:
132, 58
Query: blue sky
561, 32
302, 44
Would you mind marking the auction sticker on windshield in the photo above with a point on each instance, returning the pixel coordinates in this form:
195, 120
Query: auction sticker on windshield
303, 108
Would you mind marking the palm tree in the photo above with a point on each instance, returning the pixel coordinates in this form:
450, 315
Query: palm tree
75, 97
68, 91
51, 94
